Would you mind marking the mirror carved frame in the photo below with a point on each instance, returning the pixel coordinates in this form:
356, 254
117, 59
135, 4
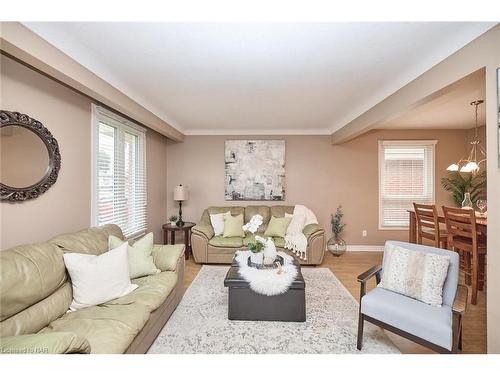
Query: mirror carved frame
19, 194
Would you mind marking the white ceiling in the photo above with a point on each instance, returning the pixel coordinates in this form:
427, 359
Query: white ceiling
273, 78
450, 109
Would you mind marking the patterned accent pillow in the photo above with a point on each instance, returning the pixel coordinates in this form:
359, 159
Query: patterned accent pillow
415, 274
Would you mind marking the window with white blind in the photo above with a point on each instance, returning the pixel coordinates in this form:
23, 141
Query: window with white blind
406, 175
119, 173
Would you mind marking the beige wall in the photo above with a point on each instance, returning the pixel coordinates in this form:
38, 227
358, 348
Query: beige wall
66, 206
492, 124
318, 174
156, 169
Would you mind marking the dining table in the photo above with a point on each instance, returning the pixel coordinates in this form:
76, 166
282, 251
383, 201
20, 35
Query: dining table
481, 224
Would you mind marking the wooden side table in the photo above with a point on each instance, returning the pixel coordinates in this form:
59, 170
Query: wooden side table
186, 228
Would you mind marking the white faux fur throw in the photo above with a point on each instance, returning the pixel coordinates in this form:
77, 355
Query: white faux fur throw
297, 242
267, 281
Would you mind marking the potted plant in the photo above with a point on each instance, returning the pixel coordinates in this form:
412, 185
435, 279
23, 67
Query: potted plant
459, 184
257, 249
336, 245
172, 219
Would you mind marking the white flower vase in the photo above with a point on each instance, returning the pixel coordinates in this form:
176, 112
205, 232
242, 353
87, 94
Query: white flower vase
257, 257
270, 252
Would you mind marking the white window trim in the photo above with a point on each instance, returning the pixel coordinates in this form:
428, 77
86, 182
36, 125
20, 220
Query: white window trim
427, 142
96, 112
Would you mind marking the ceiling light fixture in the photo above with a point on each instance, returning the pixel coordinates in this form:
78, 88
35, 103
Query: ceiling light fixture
471, 164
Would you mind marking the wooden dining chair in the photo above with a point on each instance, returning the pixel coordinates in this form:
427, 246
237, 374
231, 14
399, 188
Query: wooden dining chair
428, 225
470, 245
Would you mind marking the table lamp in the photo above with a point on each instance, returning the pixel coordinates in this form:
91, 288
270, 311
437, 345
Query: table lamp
180, 195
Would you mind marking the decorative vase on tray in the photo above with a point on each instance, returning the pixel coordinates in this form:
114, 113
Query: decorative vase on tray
263, 251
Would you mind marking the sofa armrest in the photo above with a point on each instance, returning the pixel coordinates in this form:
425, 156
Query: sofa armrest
205, 230
45, 343
312, 229
165, 257
460, 302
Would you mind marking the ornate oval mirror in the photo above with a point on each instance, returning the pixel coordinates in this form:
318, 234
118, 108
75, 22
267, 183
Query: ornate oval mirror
30, 158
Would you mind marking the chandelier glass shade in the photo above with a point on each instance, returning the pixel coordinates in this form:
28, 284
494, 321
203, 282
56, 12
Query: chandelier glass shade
477, 154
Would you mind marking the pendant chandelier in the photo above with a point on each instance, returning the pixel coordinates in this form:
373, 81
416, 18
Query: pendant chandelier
471, 164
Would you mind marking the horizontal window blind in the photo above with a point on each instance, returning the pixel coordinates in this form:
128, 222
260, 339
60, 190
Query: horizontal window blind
406, 175
119, 184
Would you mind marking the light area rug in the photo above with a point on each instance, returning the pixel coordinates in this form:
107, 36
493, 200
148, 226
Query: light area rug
200, 323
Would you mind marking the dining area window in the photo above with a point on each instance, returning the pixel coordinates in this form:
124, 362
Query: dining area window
406, 175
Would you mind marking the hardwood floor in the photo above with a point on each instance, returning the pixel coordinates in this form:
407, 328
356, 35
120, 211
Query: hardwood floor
348, 266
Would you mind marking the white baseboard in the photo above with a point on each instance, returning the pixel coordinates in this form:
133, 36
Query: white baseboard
365, 247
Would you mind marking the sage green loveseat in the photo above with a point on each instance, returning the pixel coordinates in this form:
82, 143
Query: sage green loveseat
208, 248
35, 294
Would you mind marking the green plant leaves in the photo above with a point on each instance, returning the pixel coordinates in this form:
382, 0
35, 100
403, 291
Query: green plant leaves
458, 184
336, 221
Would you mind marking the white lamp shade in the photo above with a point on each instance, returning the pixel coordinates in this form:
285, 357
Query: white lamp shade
470, 167
181, 193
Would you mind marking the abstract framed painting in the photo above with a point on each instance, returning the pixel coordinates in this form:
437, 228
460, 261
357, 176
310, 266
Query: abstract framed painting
254, 170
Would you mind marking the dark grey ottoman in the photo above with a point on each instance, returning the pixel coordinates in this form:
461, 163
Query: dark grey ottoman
245, 304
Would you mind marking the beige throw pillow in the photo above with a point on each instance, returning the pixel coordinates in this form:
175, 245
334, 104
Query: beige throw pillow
415, 274
233, 226
140, 258
277, 226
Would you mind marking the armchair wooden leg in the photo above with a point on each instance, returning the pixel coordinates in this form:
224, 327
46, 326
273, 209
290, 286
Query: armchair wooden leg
460, 339
475, 277
456, 333
361, 322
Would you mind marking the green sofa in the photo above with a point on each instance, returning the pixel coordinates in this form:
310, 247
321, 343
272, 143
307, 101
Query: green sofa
208, 248
35, 294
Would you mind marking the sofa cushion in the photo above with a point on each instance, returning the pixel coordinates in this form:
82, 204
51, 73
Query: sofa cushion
39, 315
152, 291
29, 274
92, 241
108, 328
431, 323
277, 226
233, 226
45, 343
279, 211
167, 256
235, 210
219, 241
263, 211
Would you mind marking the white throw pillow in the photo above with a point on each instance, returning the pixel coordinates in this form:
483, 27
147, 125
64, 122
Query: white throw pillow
98, 278
217, 221
296, 225
415, 274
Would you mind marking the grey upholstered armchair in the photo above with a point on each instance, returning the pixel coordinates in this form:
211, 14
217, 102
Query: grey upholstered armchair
438, 328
